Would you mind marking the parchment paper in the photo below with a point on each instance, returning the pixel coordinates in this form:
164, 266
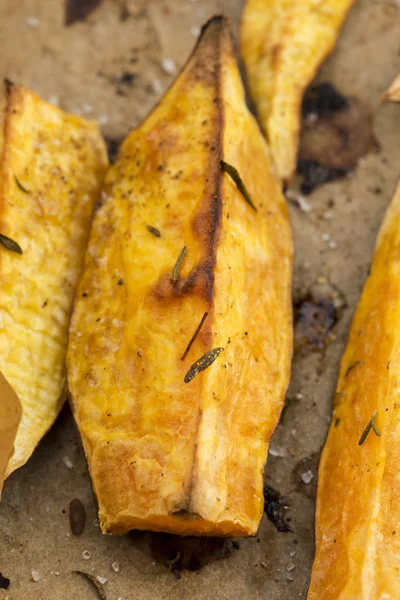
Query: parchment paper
109, 66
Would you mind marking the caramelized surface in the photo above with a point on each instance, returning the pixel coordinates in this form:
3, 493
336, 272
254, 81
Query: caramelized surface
165, 454
358, 511
283, 43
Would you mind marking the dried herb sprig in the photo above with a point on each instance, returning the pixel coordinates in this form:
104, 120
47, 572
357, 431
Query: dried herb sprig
178, 264
234, 173
194, 336
19, 184
205, 361
371, 425
154, 230
355, 364
9, 244
95, 583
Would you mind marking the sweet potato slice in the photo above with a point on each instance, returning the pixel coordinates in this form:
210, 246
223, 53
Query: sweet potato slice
393, 93
358, 509
51, 170
171, 446
283, 43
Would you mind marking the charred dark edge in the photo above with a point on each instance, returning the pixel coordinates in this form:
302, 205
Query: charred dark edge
219, 18
194, 336
217, 203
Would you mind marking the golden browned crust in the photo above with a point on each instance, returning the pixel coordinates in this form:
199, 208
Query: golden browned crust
283, 43
357, 528
51, 169
164, 454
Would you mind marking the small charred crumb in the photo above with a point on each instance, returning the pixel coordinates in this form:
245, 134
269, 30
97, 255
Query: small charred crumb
337, 421
120, 282
234, 174
193, 552
78, 10
95, 583
274, 507
84, 295
126, 78
10, 244
21, 187
194, 336
45, 303
77, 517
323, 100
371, 425
353, 366
113, 145
178, 264
315, 174
154, 230
314, 320
203, 363
4, 582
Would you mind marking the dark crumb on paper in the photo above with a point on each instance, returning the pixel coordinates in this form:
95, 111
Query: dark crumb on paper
189, 553
4, 582
113, 145
78, 10
274, 508
77, 517
315, 319
314, 174
336, 132
323, 100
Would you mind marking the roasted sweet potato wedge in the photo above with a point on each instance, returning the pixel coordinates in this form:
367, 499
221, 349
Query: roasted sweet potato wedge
10, 417
283, 43
51, 170
393, 93
358, 509
176, 425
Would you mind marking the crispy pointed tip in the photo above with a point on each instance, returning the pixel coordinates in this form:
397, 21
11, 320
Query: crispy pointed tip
393, 93
8, 84
216, 24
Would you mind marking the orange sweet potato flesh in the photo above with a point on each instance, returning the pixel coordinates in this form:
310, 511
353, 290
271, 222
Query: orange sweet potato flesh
358, 509
283, 43
163, 454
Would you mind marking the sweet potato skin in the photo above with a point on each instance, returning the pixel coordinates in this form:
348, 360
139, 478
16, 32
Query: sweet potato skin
358, 514
163, 454
283, 43
51, 169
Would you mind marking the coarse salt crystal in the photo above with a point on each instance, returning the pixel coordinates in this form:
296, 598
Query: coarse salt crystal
168, 65
332, 245
86, 555
35, 576
103, 120
101, 579
293, 553
307, 477
290, 566
87, 108
303, 204
277, 452
115, 566
32, 22
195, 31
54, 100
326, 237
68, 462
157, 87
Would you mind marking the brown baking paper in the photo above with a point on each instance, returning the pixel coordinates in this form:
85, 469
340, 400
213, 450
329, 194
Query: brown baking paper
113, 65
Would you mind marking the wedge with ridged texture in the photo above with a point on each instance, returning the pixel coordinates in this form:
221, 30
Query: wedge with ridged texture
176, 424
51, 171
358, 501
283, 43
